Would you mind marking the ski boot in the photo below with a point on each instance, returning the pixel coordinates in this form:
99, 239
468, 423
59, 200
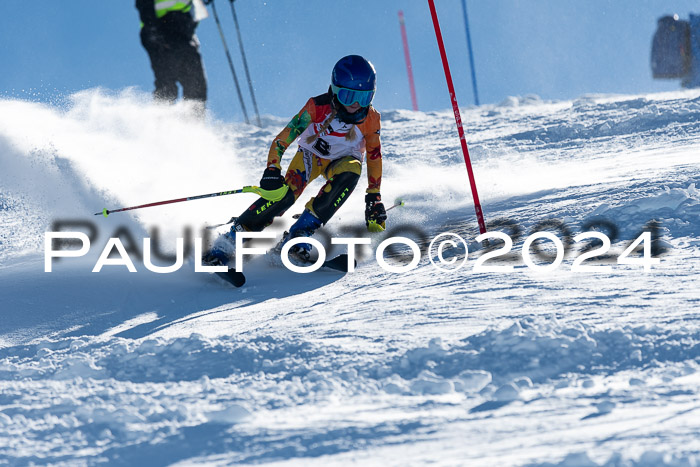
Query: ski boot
305, 226
223, 250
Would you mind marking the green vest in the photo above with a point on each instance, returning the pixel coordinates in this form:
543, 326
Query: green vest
164, 7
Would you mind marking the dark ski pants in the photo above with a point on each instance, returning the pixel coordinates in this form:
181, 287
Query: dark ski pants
341, 178
176, 61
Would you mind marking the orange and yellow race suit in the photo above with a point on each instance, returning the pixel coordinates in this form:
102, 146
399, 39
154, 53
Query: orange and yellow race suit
329, 148
336, 147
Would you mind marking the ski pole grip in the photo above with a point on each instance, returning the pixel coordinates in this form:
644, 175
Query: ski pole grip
270, 195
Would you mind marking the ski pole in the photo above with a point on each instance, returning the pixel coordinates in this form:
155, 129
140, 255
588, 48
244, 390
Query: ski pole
398, 203
245, 64
230, 62
270, 195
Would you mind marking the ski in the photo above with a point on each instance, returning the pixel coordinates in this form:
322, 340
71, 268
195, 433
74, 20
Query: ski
237, 279
339, 263
233, 277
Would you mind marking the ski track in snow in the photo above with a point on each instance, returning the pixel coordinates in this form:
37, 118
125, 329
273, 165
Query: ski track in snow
452, 368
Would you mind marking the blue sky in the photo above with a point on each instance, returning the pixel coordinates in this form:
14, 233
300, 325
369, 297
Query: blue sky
555, 49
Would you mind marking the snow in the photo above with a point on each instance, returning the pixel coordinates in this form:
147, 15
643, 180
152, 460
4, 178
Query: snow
526, 367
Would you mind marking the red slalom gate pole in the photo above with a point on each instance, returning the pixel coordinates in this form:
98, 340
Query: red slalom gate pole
407, 56
458, 118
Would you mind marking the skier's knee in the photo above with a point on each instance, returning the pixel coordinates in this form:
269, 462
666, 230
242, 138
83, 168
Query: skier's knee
261, 213
334, 194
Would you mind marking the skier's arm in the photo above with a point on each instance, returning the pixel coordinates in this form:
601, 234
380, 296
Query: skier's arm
290, 133
374, 154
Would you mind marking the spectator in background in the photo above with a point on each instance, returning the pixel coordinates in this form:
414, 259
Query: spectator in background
167, 34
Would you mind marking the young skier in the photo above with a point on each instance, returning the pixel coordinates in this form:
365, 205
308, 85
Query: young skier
334, 131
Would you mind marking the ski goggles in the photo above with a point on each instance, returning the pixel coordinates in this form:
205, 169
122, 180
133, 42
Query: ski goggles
350, 96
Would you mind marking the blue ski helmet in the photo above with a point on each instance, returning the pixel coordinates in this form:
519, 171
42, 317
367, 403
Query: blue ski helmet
353, 80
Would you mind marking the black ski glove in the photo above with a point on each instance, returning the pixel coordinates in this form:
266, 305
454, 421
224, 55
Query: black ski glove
272, 179
375, 214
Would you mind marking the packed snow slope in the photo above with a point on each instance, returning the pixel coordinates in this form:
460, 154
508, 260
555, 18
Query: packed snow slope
518, 367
